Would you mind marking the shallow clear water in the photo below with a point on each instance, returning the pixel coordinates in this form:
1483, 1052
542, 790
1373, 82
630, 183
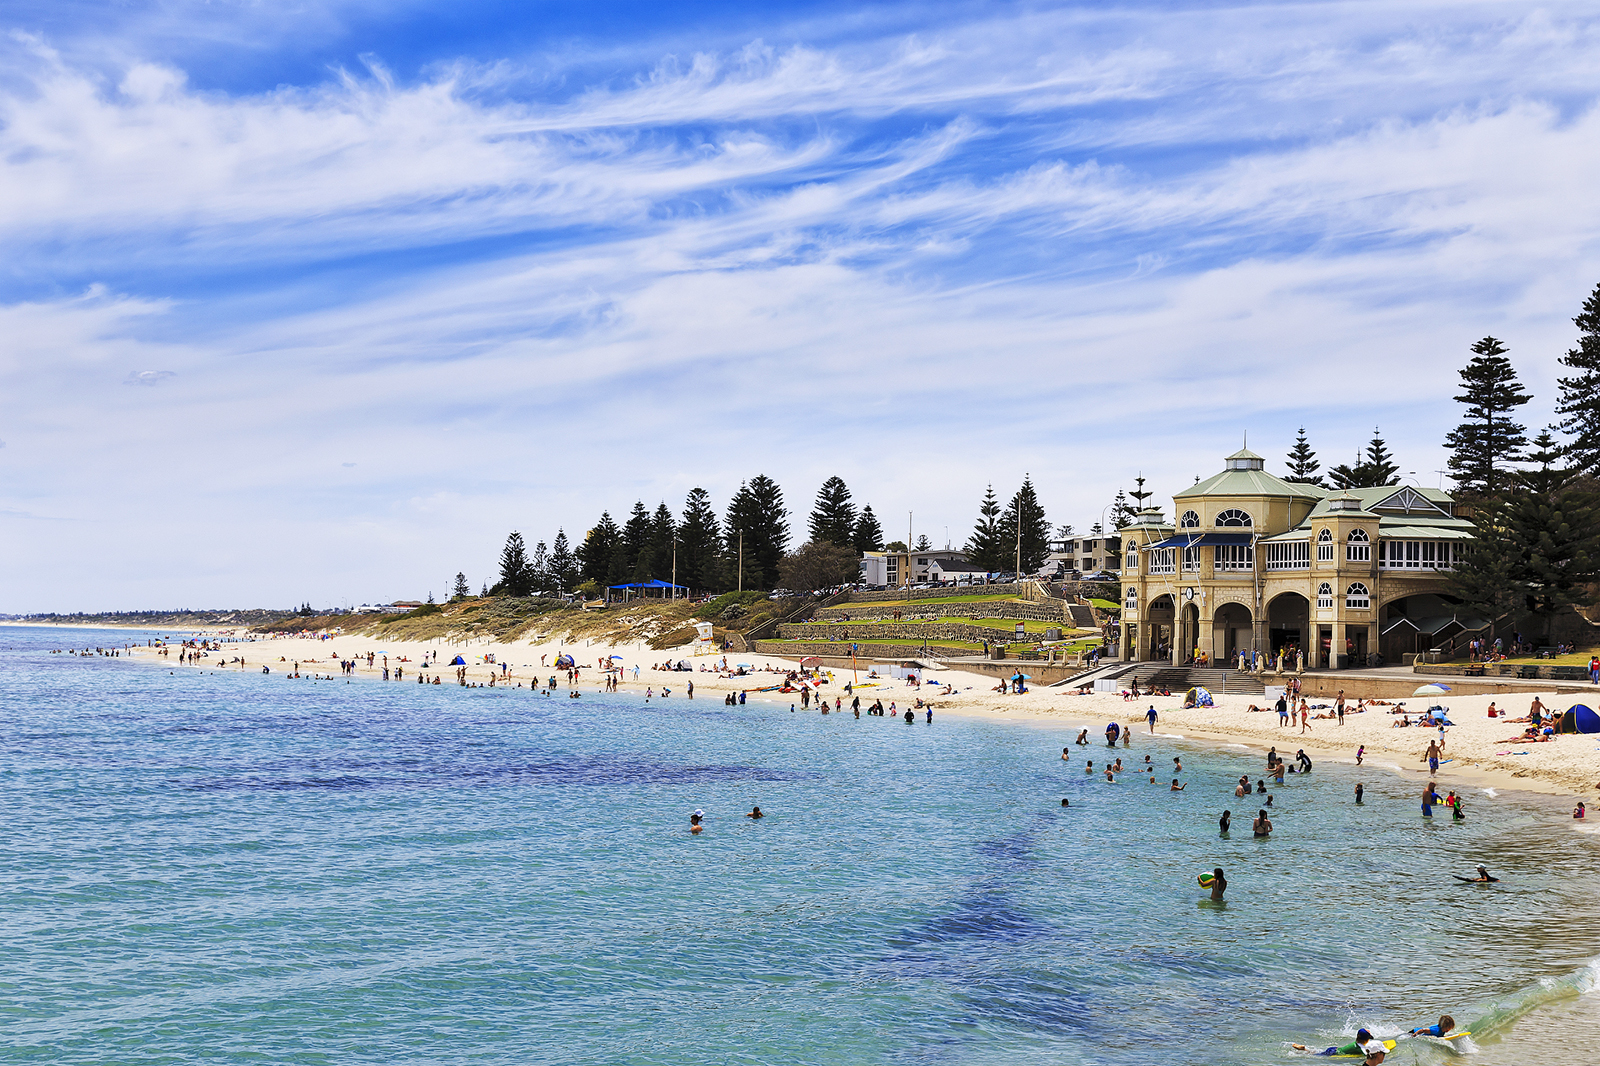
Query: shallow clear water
202, 868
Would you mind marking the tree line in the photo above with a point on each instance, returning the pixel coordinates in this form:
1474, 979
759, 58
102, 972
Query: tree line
1534, 502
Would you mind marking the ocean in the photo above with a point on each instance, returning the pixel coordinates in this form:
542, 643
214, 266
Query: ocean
203, 867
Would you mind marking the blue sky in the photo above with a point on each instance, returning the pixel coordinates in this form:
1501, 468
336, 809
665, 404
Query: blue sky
319, 300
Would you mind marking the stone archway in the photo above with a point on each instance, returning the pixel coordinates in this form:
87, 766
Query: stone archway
1232, 630
1289, 626
1159, 619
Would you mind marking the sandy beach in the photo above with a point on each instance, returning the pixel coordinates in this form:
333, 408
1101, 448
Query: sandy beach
1477, 750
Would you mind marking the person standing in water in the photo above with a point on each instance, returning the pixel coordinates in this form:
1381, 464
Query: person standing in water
1262, 826
1219, 885
1430, 796
1227, 816
1359, 790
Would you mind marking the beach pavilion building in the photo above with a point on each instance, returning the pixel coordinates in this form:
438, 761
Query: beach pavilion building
1263, 566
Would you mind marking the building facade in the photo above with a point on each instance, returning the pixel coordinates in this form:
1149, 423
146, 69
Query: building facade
893, 569
1086, 555
1255, 564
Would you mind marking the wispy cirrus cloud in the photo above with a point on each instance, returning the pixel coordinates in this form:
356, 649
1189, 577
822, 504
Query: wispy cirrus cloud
540, 283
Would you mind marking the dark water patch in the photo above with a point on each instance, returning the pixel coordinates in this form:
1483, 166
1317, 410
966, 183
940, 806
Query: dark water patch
413, 774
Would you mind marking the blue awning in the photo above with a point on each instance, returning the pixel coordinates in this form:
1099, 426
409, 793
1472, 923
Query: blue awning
1201, 540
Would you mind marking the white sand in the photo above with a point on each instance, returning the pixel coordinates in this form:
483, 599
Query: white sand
1476, 745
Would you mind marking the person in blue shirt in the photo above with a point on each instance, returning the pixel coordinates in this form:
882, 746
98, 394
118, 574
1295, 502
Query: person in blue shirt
1440, 1028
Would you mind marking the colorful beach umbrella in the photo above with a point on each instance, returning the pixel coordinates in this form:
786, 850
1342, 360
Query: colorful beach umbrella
1432, 690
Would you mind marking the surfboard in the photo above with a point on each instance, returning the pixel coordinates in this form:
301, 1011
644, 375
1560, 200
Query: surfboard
1476, 881
1388, 1045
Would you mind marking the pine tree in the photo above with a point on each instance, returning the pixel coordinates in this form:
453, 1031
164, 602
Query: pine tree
563, 567
1303, 463
1380, 467
923, 543
514, 570
698, 564
539, 568
1579, 399
460, 590
1377, 468
1483, 445
983, 547
636, 556
663, 539
868, 534
757, 514
600, 547
1555, 532
1537, 547
833, 519
1122, 514
1025, 507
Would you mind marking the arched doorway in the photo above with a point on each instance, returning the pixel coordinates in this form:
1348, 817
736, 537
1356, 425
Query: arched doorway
1232, 630
1156, 638
1289, 625
1191, 648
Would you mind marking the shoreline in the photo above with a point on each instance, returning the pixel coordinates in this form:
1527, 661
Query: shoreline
1569, 765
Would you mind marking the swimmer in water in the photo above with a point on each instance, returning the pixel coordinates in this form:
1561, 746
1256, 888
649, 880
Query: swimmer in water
1117, 766
1219, 885
1066, 754
694, 822
1222, 823
1483, 876
1176, 787
1439, 1028
755, 812
1083, 738
1359, 790
1262, 826
1177, 765
1363, 1045
1090, 768
1579, 811
1066, 803
1108, 774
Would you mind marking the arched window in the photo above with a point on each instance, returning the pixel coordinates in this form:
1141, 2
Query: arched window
1325, 597
1190, 520
1234, 517
1131, 600
1357, 547
1356, 597
1325, 548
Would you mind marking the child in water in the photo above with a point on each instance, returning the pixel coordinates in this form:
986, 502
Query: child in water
1439, 1028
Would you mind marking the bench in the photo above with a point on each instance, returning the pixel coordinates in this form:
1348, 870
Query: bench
1473, 671
1527, 673
1569, 673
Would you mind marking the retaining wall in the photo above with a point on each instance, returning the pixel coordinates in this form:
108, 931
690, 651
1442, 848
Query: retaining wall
1052, 612
917, 631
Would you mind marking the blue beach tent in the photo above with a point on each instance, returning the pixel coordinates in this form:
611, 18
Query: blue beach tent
1580, 718
458, 661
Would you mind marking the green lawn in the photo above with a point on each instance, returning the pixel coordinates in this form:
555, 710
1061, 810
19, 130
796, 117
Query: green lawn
844, 645
931, 599
1005, 624
1576, 659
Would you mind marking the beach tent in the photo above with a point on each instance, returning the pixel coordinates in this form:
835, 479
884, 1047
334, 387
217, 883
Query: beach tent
1197, 697
458, 661
1580, 718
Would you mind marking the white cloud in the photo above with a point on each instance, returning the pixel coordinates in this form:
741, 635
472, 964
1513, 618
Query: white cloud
1079, 246
147, 378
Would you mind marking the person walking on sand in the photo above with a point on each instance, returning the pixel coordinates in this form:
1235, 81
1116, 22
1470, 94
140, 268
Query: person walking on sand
1305, 716
1150, 716
1432, 756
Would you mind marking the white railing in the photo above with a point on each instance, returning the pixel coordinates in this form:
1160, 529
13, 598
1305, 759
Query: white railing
1289, 555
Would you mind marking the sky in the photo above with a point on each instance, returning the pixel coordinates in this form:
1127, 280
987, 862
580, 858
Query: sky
316, 302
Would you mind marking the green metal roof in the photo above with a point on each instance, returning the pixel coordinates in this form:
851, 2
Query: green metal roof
1249, 483
1463, 531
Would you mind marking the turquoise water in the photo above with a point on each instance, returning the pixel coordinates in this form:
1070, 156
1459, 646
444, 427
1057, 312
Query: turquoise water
204, 868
